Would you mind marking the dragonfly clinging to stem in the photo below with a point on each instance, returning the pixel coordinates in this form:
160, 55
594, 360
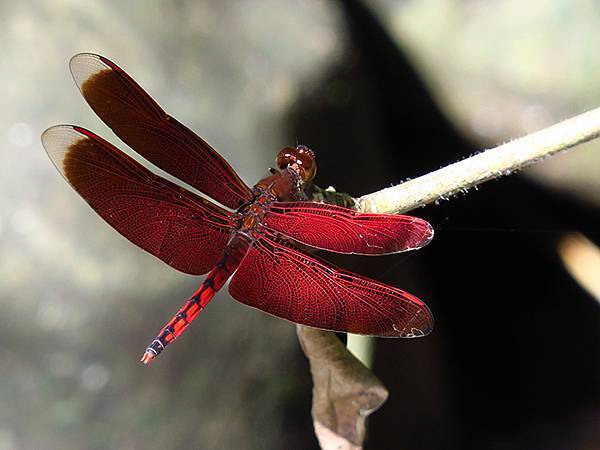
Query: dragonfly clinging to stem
249, 235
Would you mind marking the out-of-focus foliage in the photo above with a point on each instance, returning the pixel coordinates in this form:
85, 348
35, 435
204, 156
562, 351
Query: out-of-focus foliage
79, 303
505, 69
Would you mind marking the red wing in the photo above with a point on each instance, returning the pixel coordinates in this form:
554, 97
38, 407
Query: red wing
344, 230
278, 278
142, 124
184, 230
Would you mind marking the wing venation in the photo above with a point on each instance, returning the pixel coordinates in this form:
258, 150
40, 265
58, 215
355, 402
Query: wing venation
280, 279
343, 230
182, 229
143, 125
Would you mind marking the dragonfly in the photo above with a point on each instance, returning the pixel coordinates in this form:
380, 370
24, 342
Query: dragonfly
259, 238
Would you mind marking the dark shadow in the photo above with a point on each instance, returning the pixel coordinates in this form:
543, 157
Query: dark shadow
514, 361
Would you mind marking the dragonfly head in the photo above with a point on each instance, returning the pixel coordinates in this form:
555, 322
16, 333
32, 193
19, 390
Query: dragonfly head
301, 159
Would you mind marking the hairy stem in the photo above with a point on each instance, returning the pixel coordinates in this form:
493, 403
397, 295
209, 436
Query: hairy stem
484, 166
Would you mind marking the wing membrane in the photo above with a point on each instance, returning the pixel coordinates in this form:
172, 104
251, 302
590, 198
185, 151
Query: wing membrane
184, 230
280, 279
142, 124
344, 230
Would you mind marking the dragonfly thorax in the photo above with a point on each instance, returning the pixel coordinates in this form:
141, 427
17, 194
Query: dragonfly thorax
252, 217
283, 186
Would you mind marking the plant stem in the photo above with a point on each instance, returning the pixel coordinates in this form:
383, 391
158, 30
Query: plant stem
484, 166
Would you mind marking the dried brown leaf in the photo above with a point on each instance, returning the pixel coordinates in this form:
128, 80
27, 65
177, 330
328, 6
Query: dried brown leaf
345, 391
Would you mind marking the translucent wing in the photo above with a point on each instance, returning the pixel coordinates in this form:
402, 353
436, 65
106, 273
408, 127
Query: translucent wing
184, 230
280, 279
344, 230
142, 124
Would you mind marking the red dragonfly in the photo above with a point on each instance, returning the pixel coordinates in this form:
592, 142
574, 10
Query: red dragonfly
252, 236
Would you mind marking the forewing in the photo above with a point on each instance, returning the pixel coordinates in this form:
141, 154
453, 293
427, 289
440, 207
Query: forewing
344, 230
142, 124
280, 279
184, 230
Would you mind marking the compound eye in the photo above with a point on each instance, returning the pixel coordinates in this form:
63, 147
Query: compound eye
284, 157
301, 158
306, 162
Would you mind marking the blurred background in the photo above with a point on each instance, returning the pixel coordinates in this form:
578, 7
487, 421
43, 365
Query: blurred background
383, 91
